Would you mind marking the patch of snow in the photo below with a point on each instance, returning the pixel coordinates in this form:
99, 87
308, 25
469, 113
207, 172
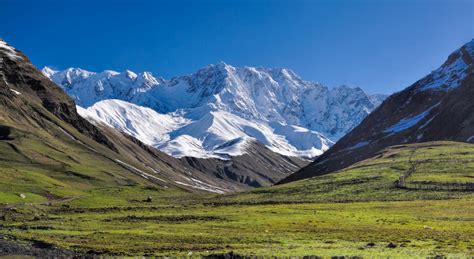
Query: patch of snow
234, 147
15, 91
140, 172
428, 121
407, 123
204, 187
66, 133
140, 122
9, 51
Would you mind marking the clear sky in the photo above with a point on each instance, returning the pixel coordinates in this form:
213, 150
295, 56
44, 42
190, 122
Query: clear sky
380, 45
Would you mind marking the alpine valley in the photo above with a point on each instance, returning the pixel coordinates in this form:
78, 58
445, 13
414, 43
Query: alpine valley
234, 162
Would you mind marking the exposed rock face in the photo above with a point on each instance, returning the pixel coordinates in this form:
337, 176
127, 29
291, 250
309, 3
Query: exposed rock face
438, 107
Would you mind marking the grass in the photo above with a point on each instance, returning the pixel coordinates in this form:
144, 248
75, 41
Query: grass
436, 163
356, 212
417, 228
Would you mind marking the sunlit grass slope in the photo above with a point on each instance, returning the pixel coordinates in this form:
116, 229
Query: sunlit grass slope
432, 170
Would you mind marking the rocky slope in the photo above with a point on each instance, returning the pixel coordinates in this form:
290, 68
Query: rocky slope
440, 106
221, 104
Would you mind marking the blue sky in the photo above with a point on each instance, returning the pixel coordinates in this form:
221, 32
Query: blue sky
380, 45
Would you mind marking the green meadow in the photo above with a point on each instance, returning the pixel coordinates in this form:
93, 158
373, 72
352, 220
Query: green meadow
360, 211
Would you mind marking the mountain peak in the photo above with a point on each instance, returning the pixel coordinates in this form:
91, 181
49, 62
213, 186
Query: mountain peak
48, 71
220, 67
470, 47
452, 73
130, 74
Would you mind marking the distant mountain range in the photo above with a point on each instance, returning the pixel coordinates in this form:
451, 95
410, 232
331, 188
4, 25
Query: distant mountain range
438, 107
217, 111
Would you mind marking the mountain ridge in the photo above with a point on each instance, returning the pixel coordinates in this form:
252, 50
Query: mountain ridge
245, 99
438, 107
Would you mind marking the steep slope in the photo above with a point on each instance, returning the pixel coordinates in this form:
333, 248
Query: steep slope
303, 117
438, 107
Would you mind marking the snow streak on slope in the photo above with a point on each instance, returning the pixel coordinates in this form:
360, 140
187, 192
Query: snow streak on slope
221, 106
407, 123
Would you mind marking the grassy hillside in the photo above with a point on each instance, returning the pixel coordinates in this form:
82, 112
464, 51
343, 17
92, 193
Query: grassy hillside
432, 170
41, 167
361, 211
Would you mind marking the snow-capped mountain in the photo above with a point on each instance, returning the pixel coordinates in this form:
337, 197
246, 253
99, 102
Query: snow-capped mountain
87, 88
220, 106
439, 107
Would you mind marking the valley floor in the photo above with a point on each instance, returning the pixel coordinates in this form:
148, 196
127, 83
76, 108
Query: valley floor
399, 228
362, 211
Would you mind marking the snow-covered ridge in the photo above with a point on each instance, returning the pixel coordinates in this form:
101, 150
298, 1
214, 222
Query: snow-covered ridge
452, 72
220, 106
